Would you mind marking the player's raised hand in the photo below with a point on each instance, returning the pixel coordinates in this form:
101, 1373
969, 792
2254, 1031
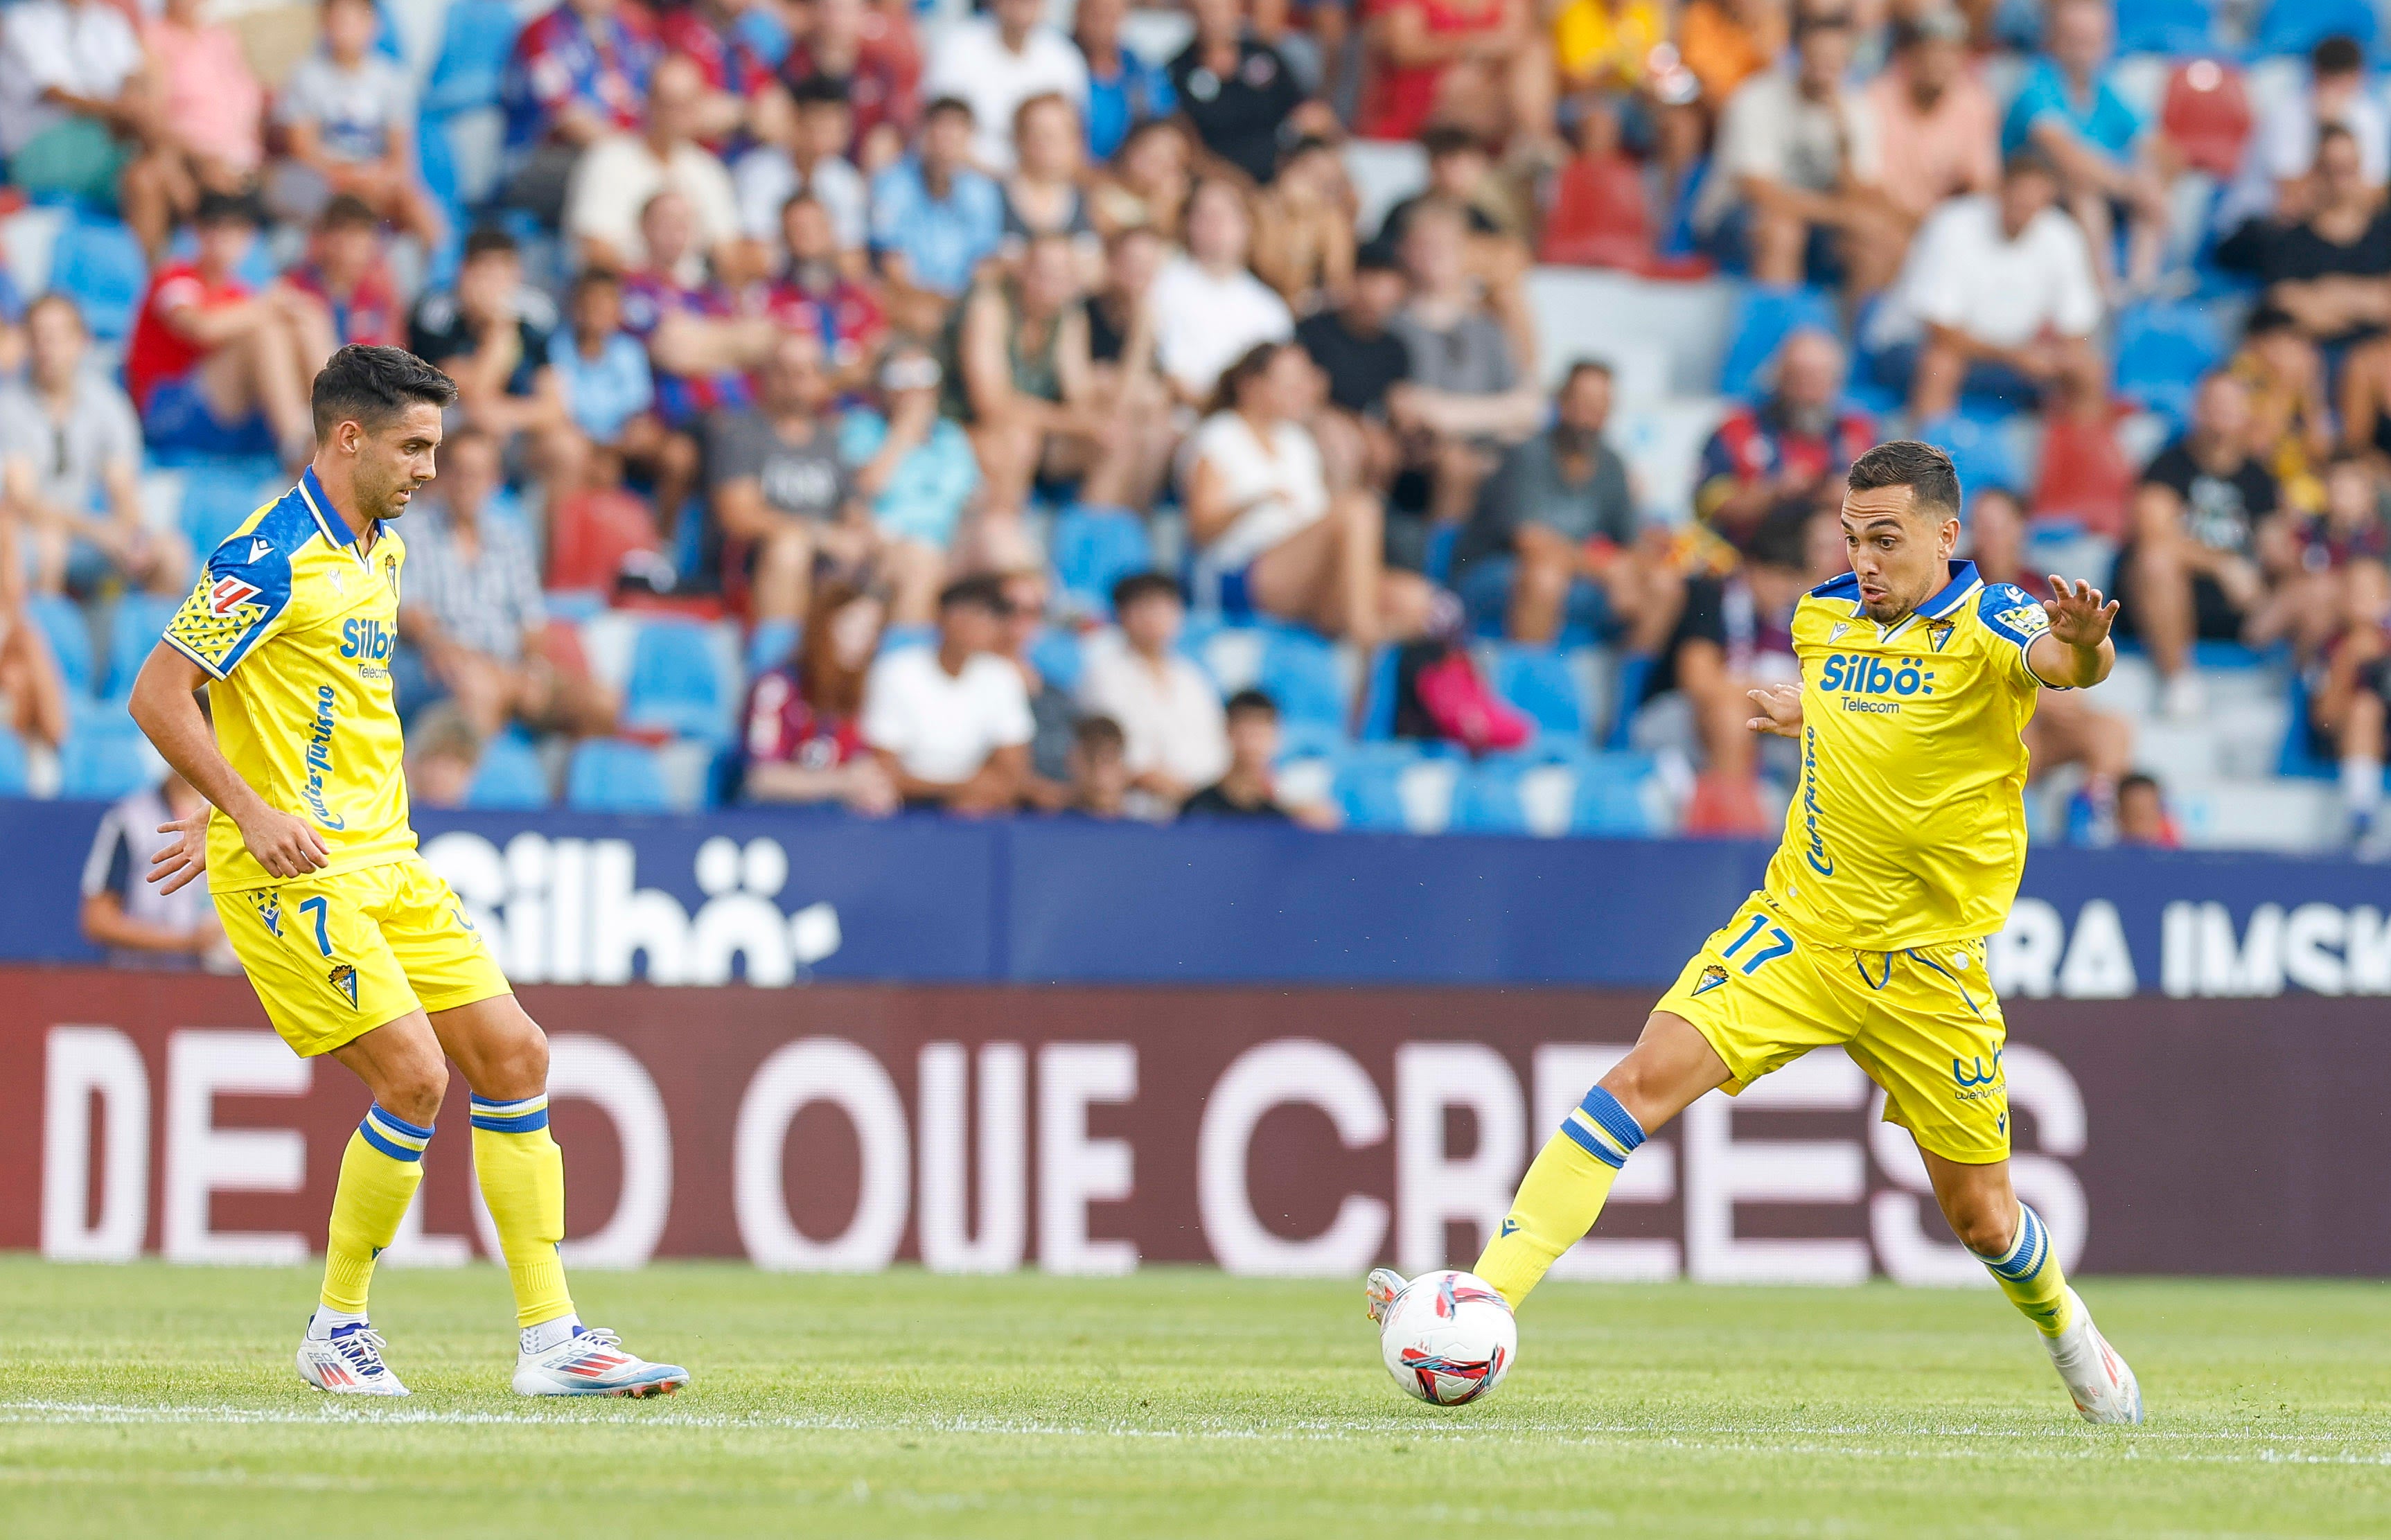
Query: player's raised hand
284, 842
1781, 710
2077, 615
175, 864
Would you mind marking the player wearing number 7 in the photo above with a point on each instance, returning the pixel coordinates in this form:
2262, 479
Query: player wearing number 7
1901, 852
358, 948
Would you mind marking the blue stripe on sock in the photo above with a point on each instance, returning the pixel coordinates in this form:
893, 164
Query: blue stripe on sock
373, 1136
524, 1124
2027, 1255
398, 1123
1615, 1120
1592, 1145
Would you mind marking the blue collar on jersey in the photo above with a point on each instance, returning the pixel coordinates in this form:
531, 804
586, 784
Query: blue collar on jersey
1847, 586
334, 528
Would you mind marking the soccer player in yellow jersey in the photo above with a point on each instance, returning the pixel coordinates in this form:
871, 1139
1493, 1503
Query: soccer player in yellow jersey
1901, 852
355, 948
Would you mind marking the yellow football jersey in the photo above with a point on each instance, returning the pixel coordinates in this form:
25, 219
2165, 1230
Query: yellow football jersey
297, 625
1909, 825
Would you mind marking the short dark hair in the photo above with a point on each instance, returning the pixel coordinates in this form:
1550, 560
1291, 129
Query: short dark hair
943, 105
2327, 132
2337, 54
2029, 161
488, 240
1140, 586
1441, 139
981, 590
595, 277
2139, 778
229, 208
1586, 366
1099, 731
370, 385
1379, 256
1934, 483
1250, 702
820, 90
347, 211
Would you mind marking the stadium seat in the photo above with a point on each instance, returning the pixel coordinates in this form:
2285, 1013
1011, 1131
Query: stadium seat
2172, 26
1396, 791
1980, 450
2206, 115
104, 757
96, 263
676, 683
1093, 549
1609, 798
770, 644
1514, 796
1763, 317
1537, 680
13, 769
610, 776
1598, 218
2296, 26
510, 776
476, 38
1298, 672
1056, 655
69, 634
217, 495
2163, 349
133, 632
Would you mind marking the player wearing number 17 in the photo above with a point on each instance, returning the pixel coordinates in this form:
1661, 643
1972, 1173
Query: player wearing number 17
357, 949
1901, 852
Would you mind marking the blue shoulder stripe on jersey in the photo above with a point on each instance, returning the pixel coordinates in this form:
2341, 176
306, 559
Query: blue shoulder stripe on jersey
251, 569
1963, 577
1846, 586
321, 513
2017, 617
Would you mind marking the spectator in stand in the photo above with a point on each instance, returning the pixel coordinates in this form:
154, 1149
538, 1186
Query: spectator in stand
2195, 566
345, 271
444, 752
1483, 64
577, 72
815, 293
1998, 296
211, 109
1459, 172
1365, 362
1167, 707
1120, 327
1303, 229
995, 62
1053, 712
1236, 91
77, 116
1209, 309
806, 154
2331, 273
2275, 185
950, 722
474, 615
2350, 699
1042, 193
1794, 193
1793, 448
1100, 783
32, 691
804, 735
216, 369
1726, 43
347, 116
694, 347
783, 500
1249, 788
1602, 48
1553, 538
70, 466
619, 172
1123, 89
1270, 537
2069, 109
935, 218
2291, 423
1467, 398
2142, 817
123, 910
600, 368
1937, 127
855, 50
917, 468
490, 334
1149, 181
728, 40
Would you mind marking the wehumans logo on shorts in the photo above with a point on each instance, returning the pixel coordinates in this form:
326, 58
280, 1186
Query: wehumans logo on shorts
1974, 1073
1819, 861
320, 760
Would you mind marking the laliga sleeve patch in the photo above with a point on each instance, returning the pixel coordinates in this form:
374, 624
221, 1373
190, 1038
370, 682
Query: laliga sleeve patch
2013, 614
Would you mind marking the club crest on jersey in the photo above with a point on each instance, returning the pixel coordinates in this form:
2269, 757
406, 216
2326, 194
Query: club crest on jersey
1713, 976
344, 978
390, 575
229, 594
1940, 634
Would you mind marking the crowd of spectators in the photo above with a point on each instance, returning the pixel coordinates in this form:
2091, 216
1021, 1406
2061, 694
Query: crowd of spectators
812, 312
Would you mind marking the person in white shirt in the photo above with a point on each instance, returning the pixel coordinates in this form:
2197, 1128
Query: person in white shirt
1176, 738
1207, 309
76, 111
803, 131
1998, 295
615, 177
1270, 537
998, 61
951, 723
2273, 180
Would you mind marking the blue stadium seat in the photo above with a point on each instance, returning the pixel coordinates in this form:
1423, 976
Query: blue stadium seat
98, 264
611, 776
2172, 27
133, 633
1369, 792
1487, 800
1764, 317
104, 757
770, 644
2296, 26
1300, 673
69, 634
508, 776
476, 38
675, 683
1378, 695
1537, 680
2163, 349
12, 763
1442, 539
1056, 655
1980, 450
218, 494
1609, 797
1093, 549
1312, 741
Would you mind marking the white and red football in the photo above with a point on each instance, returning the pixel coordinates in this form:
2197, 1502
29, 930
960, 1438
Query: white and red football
1448, 1337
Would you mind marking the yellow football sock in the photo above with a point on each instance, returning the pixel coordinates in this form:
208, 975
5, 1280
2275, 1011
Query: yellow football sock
379, 1172
1561, 1195
2029, 1274
522, 1173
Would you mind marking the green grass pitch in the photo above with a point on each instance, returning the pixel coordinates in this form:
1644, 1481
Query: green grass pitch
157, 1402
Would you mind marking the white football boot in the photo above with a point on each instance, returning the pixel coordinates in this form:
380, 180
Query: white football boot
347, 1363
2103, 1388
591, 1362
1379, 1289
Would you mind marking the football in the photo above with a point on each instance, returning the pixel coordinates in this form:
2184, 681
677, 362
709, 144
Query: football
1448, 1337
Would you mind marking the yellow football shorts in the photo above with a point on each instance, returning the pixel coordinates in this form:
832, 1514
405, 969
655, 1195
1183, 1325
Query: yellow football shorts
1923, 1023
332, 958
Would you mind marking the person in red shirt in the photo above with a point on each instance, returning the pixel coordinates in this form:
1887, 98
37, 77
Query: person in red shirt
815, 294
802, 741
344, 270
213, 368
871, 53
1484, 65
